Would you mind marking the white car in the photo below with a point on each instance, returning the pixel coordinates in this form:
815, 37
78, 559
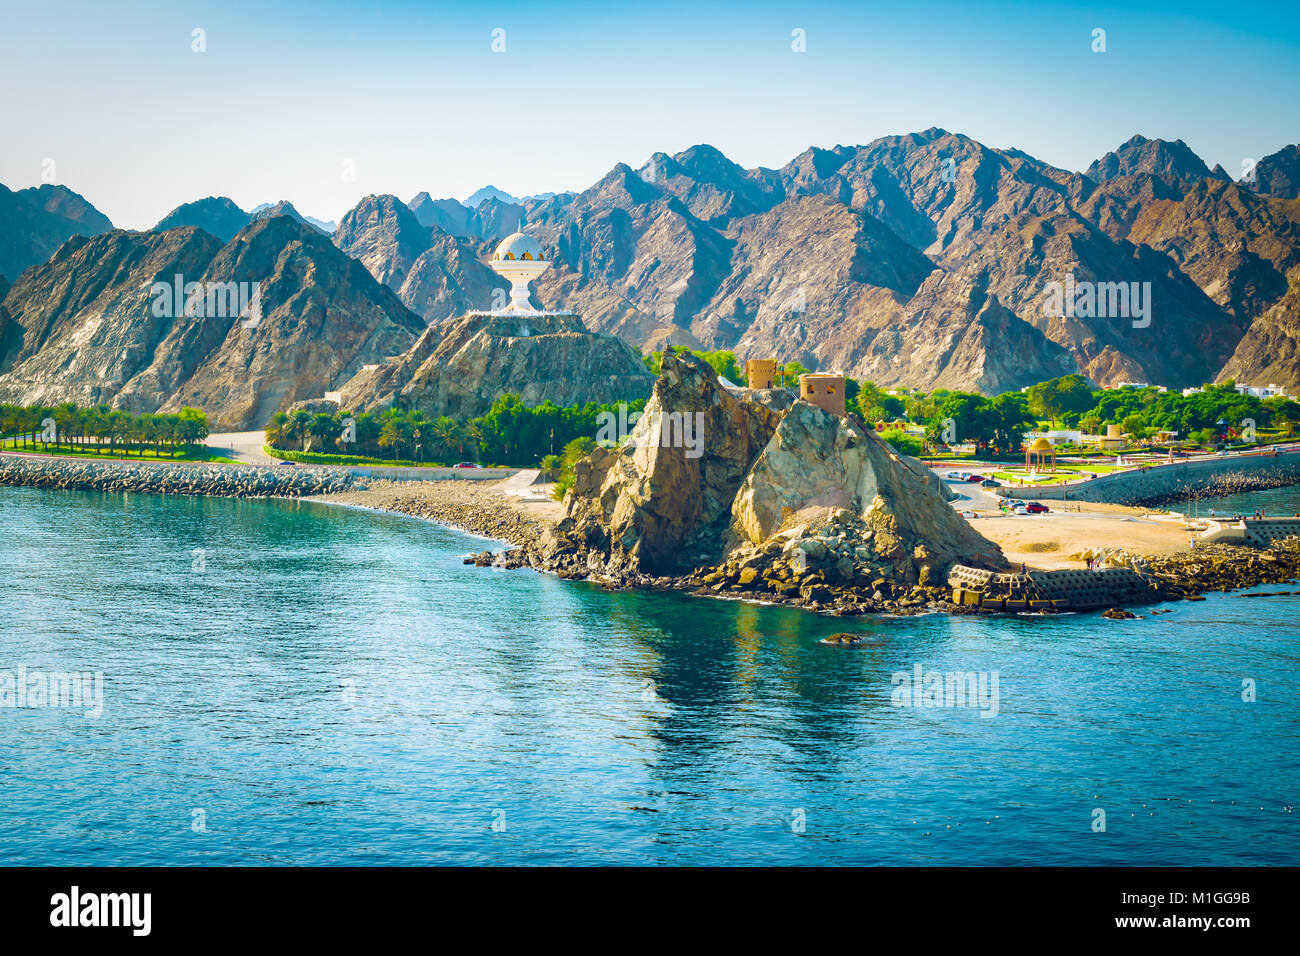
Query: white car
1021, 510
955, 475
968, 514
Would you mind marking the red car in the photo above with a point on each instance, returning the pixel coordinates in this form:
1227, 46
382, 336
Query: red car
1034, 508
466, 464
975, 479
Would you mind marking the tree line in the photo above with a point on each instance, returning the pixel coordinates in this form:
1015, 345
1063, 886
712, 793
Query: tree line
508, 433
33, 426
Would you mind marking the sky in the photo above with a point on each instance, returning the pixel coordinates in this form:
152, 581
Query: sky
322, 103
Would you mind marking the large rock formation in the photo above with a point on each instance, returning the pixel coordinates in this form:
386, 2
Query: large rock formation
785, 498
459, 368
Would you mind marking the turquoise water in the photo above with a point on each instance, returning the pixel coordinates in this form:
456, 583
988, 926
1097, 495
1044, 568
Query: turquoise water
333, 686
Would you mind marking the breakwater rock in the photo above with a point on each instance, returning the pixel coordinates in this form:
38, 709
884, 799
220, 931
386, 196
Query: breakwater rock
1159, 485
1225, 567
223, 481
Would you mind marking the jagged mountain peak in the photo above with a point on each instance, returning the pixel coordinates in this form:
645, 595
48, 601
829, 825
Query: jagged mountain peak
1175, 161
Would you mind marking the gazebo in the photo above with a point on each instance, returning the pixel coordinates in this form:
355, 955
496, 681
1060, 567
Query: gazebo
1039, 449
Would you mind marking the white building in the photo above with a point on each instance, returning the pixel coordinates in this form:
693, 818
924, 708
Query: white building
1261, 391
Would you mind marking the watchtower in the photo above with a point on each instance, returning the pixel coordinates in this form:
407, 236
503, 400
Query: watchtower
824, 391
760, 373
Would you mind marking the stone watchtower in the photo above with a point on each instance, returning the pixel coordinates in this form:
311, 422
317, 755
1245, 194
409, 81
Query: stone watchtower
760, 373
824, 391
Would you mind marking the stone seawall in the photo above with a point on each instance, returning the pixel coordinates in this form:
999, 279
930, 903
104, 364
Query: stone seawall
176, 478
1166, 484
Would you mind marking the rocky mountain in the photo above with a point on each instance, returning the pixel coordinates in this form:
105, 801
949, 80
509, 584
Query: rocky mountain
216, 215
785, 498
459, 368
1269, 352
435, 274
1278, 174
285, 208
34, 222
83, 325
1175, 163
920, 260
490, 192
90, 327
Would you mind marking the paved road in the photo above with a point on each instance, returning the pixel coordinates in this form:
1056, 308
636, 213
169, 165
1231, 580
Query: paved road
241, 446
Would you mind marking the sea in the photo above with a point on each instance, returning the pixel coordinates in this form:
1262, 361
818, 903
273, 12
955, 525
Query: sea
200, 681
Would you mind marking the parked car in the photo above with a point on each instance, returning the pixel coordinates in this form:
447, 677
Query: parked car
1035, 508
1020, 510
968, 514
956, 475
466, 464
285, 461
990, 483
975, 479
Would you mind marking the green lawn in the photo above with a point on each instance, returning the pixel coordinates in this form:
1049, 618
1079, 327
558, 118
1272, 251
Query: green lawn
320, 458
134, 453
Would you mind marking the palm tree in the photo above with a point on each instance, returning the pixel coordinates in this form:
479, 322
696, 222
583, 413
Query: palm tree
277, 429
299, 427
323, 427
448, 438
395, 431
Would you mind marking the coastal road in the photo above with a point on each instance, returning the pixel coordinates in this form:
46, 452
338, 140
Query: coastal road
244, 447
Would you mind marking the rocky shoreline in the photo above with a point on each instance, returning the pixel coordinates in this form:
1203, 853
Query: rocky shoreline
464, 505
801, 576
175, 478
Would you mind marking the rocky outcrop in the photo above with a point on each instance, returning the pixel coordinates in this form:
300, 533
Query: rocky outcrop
662, 502
762, 494
216, 215
460, 368
35, 222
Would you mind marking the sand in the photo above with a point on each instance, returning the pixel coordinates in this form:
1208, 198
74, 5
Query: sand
1046, 541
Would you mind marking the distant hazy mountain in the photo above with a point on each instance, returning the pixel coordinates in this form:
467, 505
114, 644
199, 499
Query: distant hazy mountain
216, 214
491, 192
285, 208
489, 219
34, 222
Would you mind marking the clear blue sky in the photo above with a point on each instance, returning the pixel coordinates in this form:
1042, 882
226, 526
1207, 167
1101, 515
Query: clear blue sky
413, 96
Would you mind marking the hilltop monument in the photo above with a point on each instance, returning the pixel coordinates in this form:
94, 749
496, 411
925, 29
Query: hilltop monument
519, 259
